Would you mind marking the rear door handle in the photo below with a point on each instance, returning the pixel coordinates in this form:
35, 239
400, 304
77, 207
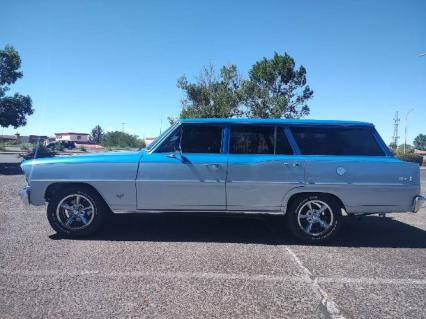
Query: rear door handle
294, 164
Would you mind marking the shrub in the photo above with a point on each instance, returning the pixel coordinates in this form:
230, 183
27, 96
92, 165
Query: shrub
118, 139
39, 152
83, 149
26, 146
59, 147
411, 158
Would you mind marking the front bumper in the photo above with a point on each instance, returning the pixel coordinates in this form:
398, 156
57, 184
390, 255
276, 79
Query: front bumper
418, 202
24, 193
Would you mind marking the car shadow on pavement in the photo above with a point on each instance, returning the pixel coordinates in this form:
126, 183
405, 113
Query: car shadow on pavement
10, 169
368, 231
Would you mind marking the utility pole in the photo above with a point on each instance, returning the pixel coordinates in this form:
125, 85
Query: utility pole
395, 136
122, 126
405, 131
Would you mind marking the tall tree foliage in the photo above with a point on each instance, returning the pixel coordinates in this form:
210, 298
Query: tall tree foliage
97, 134
275, 89
13, 109
211, 95
420, 142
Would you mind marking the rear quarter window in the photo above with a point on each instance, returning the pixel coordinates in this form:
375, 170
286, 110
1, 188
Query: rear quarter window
336, 141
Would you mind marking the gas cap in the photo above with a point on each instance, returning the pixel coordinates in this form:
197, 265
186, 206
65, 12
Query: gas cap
340, 170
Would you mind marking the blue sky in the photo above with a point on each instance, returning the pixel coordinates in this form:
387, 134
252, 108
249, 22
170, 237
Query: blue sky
100, 62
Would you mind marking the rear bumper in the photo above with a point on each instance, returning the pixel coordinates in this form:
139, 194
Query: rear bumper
24, 194
418, 202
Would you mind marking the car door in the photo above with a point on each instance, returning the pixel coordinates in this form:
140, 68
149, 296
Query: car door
186, 172
261, 168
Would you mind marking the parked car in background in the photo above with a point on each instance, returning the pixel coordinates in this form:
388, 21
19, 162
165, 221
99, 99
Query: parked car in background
61, 144
38, 152
310, 171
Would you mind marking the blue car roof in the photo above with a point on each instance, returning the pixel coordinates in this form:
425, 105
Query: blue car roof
275, 121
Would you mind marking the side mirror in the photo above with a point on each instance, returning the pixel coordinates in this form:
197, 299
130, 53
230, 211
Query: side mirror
176, 154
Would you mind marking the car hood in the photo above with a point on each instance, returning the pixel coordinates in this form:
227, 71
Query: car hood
107, 157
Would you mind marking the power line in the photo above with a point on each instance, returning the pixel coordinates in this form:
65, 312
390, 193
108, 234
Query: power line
395, 136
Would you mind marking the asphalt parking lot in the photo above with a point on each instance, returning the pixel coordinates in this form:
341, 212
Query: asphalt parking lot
193, 266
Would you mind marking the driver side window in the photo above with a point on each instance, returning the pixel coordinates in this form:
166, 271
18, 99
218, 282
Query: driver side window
195, 139
171, 144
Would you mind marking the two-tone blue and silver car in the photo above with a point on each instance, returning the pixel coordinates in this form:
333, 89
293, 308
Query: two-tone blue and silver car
313, 172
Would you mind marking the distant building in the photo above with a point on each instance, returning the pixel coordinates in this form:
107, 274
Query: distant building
422, 153
33, 139
81, 138
8, 138
149, 140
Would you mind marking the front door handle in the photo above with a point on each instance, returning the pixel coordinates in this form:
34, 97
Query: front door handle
213, 165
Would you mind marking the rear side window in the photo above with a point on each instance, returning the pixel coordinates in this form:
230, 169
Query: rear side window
250, 139
336, 141
282, 144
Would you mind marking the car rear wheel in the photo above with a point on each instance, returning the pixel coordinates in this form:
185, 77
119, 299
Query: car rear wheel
76, 212
314, 218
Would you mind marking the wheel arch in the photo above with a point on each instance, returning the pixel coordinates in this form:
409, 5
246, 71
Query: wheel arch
55, 187
303, 192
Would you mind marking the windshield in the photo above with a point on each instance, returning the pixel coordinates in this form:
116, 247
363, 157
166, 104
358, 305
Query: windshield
161, 137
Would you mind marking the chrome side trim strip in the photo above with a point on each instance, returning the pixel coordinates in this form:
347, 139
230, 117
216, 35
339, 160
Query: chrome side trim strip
150, 211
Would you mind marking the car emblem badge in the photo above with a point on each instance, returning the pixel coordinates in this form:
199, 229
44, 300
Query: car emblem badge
120, 196
340, 171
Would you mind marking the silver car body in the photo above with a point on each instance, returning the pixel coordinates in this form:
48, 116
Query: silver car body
148, 181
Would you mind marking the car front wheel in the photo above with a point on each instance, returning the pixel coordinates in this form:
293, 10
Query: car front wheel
75, 212
314, 218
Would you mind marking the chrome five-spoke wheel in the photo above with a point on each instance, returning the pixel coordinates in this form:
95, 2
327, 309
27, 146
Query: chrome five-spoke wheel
75, 212
315, 217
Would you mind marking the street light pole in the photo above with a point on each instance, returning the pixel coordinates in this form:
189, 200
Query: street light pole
405, 130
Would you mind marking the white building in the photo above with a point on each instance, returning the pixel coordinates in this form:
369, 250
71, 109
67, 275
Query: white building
73, 136
149, 140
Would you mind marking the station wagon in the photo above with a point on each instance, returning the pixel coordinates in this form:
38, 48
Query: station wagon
312, 172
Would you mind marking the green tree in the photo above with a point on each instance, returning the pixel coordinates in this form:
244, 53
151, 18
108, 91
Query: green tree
276, 89
420, 142
212, 95
121, 139
392, 146
97, 134
408, 149
13, 109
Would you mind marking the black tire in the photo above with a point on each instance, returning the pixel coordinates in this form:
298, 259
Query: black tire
296, 225
100, 211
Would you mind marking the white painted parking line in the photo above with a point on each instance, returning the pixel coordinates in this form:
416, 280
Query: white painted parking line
372, 281
149, 274
326, 301
308, 278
